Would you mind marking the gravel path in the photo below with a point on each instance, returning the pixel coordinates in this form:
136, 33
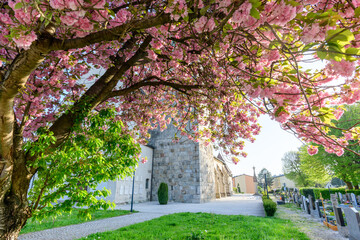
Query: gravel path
309, 225
235, 205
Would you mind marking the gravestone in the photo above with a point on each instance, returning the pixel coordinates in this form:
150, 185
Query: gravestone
340, 222
341, 197
304, 203
348, 197
353, 223
317, 207
333, 200
334, 203
311, 206
297, 197
354, 200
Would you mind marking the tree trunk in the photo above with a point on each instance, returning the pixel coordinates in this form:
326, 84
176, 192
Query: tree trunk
13, 216
14, 209
349, 185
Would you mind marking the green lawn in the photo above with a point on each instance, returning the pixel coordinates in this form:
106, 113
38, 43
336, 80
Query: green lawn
207, 226
291, 206
68, 219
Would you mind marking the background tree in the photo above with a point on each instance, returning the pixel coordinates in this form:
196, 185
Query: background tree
292, 170
219, 64
313, 167
337, 182
261, 178
347, 166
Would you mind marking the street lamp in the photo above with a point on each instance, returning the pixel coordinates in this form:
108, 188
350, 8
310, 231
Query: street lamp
267, 193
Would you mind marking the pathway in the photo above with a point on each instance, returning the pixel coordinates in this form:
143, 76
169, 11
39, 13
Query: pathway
244, 204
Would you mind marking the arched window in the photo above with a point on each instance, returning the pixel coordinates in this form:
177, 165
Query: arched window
147, 183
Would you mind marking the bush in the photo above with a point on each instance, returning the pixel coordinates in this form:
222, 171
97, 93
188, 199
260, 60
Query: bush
163, 195
269, 207
235, 190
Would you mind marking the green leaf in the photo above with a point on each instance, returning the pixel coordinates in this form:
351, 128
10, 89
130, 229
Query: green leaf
293, 78
357, 12
204, 10
254, 13
321, 54
344, 36
18, 5
354, 51
308, 46
255, 3
279, 111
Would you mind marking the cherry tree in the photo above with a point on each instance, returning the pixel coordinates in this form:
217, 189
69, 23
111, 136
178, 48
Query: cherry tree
66, 64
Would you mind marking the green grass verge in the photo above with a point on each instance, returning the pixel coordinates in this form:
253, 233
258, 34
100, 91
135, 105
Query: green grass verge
291, 206
68, 219
207, 226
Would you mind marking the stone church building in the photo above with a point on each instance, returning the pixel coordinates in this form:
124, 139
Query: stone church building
190, 169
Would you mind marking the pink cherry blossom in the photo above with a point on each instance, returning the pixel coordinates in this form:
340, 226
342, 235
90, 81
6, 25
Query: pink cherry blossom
312, 150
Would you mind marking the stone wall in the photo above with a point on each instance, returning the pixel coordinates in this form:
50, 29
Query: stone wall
223, 179
207, 173
176, 164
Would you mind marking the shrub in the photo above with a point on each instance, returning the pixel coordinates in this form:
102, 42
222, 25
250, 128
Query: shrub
269, 207
235, 190
163, 195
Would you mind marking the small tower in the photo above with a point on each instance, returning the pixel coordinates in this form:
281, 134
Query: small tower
254, 177
255, 182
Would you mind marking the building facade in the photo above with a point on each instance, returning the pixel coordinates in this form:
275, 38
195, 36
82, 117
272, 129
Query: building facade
245, 183
189, 168
121, 189
282, 181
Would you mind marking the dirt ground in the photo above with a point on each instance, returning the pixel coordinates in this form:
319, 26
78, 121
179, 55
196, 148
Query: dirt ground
309, 225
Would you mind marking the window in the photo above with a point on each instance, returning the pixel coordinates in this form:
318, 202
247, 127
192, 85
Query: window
147, 183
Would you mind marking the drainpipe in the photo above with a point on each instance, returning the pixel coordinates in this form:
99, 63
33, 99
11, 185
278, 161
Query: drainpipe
152, 174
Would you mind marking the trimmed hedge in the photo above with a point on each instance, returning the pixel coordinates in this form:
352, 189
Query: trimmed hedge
315, 192
269, 207
163, 193
326, 194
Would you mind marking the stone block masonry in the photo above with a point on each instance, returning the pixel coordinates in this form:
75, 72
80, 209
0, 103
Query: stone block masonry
186, 166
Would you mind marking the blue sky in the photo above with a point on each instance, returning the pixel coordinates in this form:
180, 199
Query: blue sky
268, 149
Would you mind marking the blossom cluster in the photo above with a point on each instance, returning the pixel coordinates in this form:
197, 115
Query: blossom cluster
213, 66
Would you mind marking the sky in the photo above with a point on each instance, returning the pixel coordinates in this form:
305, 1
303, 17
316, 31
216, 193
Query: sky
268, 149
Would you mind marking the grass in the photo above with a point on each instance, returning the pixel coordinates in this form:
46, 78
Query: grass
207, 226
291, 206
68, 219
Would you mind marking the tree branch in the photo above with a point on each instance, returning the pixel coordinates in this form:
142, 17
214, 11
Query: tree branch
110, 34
146, 82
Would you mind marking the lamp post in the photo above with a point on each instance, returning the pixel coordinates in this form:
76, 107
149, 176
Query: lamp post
267, 193
132, 193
